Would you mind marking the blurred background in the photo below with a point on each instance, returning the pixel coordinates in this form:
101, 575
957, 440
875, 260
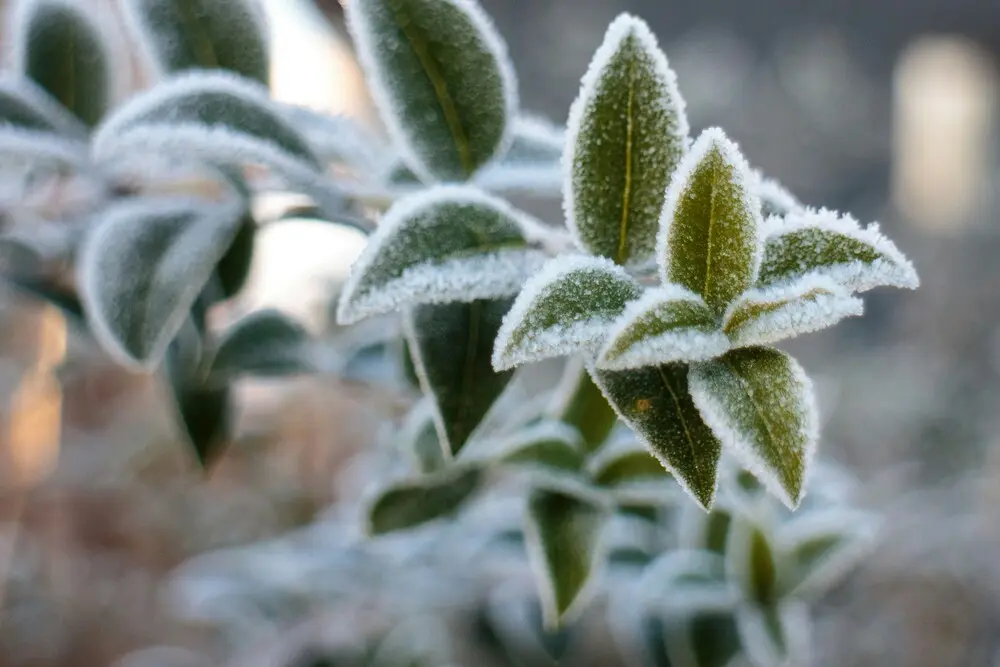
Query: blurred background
890, 110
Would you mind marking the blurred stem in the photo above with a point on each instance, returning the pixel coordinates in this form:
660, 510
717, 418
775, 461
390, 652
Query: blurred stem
580, 403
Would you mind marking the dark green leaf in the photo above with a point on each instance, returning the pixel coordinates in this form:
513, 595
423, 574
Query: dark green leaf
416, 501
580, 403
546, 444
234, 267
263, 344
822, 547
627, 466
63, 298
25, 105
713, 638
451, 345
627, 133
656, 404
441, 79
759, 402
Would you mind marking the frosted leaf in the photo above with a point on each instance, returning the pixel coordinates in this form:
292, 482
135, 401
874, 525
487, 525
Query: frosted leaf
25, 105
709, 240
142, 267
338, 139
441, 79
624, 466
759, 402
655, 403
753, 563
702, 530
775, 199
626, 133
548, 444
411, 502
266, 343
447, 243
776, 636
578, 401
31, 147
450, 345
707, 638
667, 324
536, 140
834, 245
564, 543
62, 46
525, 179
419, 437
565, 308
823, 546
233, 269
682, 582
202, 34
786, 310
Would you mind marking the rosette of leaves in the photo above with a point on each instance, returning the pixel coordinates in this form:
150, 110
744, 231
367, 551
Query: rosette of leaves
687, 362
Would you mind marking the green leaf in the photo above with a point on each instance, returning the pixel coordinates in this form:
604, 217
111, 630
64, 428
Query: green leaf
565, 308
142, 267
203, 34
447, 243
60, 296
412, 502
450, 345
536, 141
563, 533
441, 79
627, 466
26, 105
420, 438
759, 402
263, 344
656, 404
775, 635
705, 531
667, 324
763, 316
577, 401
835, 246
712, 638
752, 562
710, 233
627, 132
234, 267
63, 49
775, 199
546, 444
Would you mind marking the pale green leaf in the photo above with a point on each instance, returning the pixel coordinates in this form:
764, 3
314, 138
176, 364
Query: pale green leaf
447, 243
563, 539
709, 238
626, 134
759, 402
656, 404
441, 79
578, 401
412, 502
142, 267
263, 344
450, 345
777, 635
546, 444
203, 34
833, 245
667, 324
626, 466
753, 562
563, 309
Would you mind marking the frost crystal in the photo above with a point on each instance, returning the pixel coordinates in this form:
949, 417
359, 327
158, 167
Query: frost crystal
775, 199
565, 308
771, 314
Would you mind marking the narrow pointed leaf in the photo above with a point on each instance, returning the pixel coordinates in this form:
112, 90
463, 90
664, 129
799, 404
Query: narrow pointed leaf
234, 267
142, 268
449, 243
753, 562
59, 45
24, 104
706, 531
419, 437
776, 636
416, 501
202, 34
263, 344
833, 245
711, 638
563, 539
656, 404
546, 444
768, 315
709, 238
627, 466
578, 401
627, 132
759, 402
666, 325
450, 345
563, 309
441, 79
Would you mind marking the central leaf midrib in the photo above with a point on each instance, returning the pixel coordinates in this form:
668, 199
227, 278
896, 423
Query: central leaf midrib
622, 254
751, 395
680, 415
444, 99
711, 226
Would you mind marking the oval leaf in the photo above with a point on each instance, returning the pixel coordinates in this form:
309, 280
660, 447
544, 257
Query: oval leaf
142, 268
656, 404
627, 132
752, 562
578, 401
449, 243
547, 444
25, 105
709, 238
263, 344
563, 540
835, 246
413, 502
441, 79
666, 325
565, 308
60, 46
768, 315
419, 437
759, 403
627, 466
450, 345
203, 34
